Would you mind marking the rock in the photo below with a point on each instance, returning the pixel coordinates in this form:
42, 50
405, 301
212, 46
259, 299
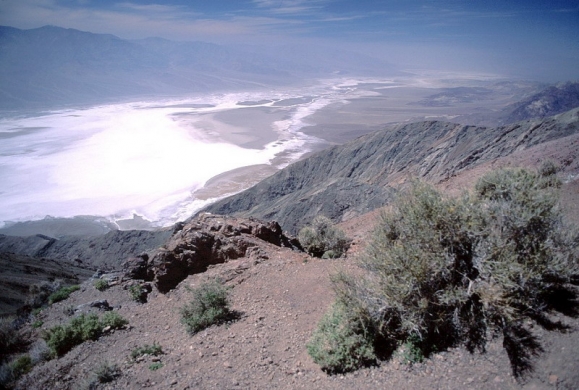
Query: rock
138, 267
553, 379
102, 304
211, 239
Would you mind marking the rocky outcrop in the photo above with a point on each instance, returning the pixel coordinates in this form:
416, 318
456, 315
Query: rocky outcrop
359, 176
211, 239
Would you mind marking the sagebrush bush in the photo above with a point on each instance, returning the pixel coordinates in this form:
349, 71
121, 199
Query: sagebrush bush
101, 284
341, 343
152, 350
323, 239
443, 271
137, 293
62, 294
209, 306
62, 338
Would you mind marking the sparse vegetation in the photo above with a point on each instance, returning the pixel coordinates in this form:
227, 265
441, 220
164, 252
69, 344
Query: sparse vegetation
209, 306
323, 239
62, 293
155, 366
137, 293
62, 338
38, 293
101, 284
9, 336
151, 350
104, 373
439, 272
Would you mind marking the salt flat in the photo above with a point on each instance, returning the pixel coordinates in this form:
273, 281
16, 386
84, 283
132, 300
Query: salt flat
160, 161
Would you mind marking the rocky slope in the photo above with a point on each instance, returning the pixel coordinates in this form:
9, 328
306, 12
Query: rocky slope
360, 176
550, 101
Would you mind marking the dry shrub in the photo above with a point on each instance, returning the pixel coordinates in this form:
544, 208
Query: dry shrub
440, 271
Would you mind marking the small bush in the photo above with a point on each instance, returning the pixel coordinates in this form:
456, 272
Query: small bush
155, 366
10, 338
38, 293
21, 365
137, 293
104, 373
37, 324
113, 319
209, 306
323, 239
39, 351
62, 294
341, 343
11, 372
62, 338
152, 350
101, 284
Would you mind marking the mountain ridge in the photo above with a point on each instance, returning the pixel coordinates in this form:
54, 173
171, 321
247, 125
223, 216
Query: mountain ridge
359, 176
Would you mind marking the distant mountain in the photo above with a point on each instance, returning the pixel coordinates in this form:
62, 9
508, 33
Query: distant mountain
360, 176
51, 66
550, 101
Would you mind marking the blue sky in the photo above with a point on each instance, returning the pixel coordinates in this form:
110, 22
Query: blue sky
513, 36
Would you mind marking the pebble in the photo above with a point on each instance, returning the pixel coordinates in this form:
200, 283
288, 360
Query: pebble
226, 364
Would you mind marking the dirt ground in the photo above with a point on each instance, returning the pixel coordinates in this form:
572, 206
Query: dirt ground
279, 301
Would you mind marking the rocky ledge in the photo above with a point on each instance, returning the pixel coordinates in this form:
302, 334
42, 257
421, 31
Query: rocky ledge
205, 241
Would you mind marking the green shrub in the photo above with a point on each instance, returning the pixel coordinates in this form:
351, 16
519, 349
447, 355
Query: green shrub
442, 271
62, 338
101, 284
62, 294
21, 365
341, 343
155, 366
37, 324
137, 293
323, 239
209, 306
113, 319
152, 350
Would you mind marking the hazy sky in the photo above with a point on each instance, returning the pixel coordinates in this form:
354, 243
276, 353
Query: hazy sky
535, 38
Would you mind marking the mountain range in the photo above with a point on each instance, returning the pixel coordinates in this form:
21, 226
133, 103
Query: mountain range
53, 66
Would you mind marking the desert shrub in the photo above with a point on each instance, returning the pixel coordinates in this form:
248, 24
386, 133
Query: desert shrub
341, 343
11, 372
62, 293
323, 239
21, 365
39, 351
137, 293
155, 366
62, 338
113, 319
441, 271
152, 350
10, 338
104, 373
209, 306
38, 293
101, 284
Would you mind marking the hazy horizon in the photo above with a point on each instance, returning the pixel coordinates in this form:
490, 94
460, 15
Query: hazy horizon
535, 39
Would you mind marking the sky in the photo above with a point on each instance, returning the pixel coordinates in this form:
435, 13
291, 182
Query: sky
534, 38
